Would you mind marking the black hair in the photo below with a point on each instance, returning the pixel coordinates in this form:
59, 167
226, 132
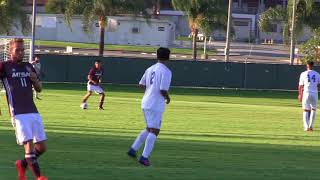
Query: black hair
98, 61
163, 53
310, 63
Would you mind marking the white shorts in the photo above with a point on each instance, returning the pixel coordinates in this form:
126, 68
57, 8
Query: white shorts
153, 118
29, 127
95, 88
309, 101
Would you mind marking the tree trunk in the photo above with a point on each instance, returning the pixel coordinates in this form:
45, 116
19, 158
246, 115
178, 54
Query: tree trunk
102, 24
155, 8
194, 43
205, 46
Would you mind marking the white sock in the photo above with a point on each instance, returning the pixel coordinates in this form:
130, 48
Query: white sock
312, 118
151, 139
305, 120
140, 140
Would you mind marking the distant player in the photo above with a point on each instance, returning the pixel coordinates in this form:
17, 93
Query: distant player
37, 67
94, 84
156, 82
18, 80
308, 95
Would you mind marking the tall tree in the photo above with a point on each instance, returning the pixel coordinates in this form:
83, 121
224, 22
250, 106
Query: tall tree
306, 15
99, 10
155, 7
209, 24
13, 16
198, 11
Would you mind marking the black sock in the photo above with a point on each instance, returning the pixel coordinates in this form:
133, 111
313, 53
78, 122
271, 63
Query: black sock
37, 153
31, 159
24, 163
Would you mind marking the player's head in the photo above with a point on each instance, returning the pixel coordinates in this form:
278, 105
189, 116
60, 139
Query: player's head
16, 49
310, 64
97, 64
37, 58
163, 54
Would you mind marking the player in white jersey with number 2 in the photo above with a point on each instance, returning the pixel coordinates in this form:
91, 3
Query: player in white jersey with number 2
308, 95
156, 82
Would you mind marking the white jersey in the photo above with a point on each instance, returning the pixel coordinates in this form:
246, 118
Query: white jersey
155, 78
310, 80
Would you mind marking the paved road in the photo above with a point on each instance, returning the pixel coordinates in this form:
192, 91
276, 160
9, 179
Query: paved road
240, 52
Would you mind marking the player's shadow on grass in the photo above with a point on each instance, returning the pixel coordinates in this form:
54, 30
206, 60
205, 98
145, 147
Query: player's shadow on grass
83, 157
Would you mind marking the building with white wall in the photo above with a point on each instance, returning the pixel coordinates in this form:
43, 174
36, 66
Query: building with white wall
120, 30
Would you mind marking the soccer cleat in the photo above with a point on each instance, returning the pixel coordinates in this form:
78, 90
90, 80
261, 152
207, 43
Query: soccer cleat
101, 108
21, 170
42, 178
132, 153
144, 161
309, 129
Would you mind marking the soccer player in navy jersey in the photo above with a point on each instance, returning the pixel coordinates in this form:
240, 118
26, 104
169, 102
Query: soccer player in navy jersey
94, 84
18, 79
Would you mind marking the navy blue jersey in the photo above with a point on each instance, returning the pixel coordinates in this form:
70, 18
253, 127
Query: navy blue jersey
16, 81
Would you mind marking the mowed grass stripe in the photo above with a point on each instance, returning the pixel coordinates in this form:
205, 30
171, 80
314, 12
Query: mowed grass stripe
206, 134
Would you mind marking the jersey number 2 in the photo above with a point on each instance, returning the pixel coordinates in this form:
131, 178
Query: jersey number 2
152, 77
23, 82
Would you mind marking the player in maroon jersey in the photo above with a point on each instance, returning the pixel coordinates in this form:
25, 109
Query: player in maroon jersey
94, 84
18, 79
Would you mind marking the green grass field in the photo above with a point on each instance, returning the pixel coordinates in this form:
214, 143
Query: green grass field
206, 134
129, 48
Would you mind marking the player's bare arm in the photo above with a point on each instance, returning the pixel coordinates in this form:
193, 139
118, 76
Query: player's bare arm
91, 80
300, 89
165, 94
35, 82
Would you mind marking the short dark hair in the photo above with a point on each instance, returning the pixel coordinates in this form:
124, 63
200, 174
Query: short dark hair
97, 61
310, 63
163, 53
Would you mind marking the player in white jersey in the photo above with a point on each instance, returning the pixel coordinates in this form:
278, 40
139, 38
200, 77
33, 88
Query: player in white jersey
156, 82
308, 95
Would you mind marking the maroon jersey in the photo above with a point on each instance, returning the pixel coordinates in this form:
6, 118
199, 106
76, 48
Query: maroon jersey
16, 80
96, 74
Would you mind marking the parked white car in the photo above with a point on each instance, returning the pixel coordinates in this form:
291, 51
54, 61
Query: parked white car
200, 36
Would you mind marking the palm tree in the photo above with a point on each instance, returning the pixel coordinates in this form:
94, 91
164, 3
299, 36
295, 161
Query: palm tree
209, 24
198, 11
306, 15
13, 16
99, 10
